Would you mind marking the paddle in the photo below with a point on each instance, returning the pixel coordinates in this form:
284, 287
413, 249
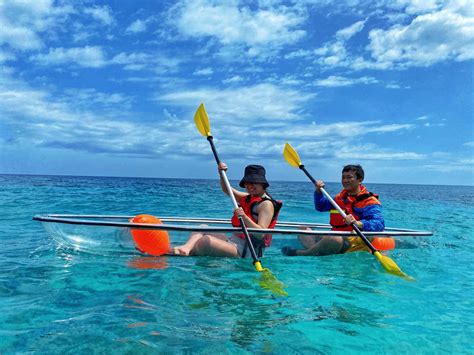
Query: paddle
269, 281
292, 157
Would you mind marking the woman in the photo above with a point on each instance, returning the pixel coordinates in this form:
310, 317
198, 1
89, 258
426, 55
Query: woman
257, 209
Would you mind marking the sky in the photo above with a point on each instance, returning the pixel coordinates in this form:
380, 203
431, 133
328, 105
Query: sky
110, 88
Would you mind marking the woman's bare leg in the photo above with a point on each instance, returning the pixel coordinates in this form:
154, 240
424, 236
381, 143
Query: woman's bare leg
206, 244
186, 248
210, 245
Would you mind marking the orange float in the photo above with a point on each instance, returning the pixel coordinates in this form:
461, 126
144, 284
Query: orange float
383, 243
153, 242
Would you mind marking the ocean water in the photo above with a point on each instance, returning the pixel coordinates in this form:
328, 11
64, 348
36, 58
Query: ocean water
56, 300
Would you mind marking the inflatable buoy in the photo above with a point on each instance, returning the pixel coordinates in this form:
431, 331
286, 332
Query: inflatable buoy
153, 242
383, 243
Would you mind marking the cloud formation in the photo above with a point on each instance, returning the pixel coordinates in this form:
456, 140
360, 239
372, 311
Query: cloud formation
124, 81
22, 24
428, 39
87, 57
234, 25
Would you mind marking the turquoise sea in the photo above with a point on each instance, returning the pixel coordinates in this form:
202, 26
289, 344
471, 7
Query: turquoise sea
57, 300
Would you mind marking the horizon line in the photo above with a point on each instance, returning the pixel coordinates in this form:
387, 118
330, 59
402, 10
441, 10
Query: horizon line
186, 178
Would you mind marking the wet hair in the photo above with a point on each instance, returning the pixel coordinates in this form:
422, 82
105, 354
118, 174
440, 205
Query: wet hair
356, 169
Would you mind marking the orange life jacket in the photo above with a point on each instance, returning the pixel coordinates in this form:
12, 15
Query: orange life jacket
347, 203
249, 204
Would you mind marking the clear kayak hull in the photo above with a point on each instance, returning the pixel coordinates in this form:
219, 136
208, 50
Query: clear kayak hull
112, 234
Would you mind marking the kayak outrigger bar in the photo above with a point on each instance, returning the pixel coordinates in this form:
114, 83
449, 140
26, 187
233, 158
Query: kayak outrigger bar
123, 221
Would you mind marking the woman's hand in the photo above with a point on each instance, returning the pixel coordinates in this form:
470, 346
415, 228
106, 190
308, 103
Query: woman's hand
239, 212
222, 166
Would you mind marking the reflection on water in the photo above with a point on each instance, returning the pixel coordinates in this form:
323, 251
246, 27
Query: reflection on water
148, 262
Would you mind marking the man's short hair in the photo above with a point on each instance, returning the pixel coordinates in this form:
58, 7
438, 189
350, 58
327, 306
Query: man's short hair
356, 169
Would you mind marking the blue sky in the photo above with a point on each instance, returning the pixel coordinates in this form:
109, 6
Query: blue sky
110, 88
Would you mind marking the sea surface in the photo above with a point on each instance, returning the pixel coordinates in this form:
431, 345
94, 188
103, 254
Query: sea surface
57, 300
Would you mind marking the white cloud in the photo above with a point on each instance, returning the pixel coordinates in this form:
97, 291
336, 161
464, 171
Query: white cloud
65, 121
251, 103
438, 31
21, 38
339, 81
419, 6
234, 25
349, 129
156, 62
430, 38
73, 121
6, 56
391, 128
87, 57
81, 36
92, 98
23, 22
300, 53
323, 141
376, 154
332, 54
100, 13
233, 80
452, 166
348, 32
204, 72
131, 58
136, 27
291, 80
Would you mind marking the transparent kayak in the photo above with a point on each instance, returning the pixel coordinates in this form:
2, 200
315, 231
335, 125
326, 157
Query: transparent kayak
112, 234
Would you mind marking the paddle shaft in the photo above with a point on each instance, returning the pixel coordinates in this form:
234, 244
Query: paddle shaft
231, 194
339, 209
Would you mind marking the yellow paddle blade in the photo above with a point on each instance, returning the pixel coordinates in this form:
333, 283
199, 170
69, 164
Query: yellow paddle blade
269, 282
202, 121
391, 266
291, 156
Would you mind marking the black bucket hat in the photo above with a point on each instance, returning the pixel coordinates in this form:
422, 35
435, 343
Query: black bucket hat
254, 174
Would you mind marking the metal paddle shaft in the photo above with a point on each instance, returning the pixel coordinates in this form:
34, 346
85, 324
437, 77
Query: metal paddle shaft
256, 261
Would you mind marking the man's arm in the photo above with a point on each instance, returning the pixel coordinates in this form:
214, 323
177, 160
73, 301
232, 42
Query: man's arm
372, 218
321, 203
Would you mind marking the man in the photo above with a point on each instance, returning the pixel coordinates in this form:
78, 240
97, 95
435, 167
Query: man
361, 207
